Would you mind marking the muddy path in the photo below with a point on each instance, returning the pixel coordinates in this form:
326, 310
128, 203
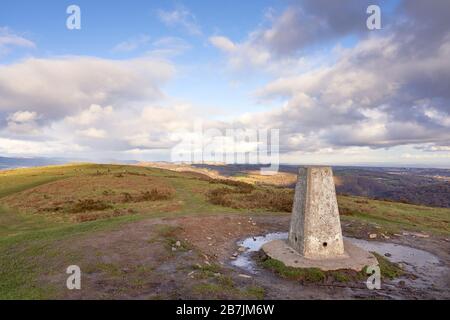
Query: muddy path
194, 258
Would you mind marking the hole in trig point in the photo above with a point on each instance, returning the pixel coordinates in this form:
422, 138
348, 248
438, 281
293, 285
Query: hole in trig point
324, 244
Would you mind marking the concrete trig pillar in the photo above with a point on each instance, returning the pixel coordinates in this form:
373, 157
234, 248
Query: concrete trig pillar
315, 231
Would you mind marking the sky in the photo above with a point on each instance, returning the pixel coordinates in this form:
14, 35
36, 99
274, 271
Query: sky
139, 76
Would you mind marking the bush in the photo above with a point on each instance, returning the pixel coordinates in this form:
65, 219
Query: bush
274, 199
239, 186
154, 194
90, 205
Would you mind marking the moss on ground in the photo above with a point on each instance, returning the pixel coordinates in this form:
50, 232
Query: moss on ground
388, 269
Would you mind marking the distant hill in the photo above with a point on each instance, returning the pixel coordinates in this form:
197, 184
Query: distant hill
422, 186
11, 163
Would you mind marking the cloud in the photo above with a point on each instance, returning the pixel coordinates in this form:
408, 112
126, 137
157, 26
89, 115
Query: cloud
59, 87
92, 133
281, 42
132, 44
18, 147
22, 123
391, 89
90, 115
22, 116
223, 43
169, 47
388, 91
10, 40
181, 17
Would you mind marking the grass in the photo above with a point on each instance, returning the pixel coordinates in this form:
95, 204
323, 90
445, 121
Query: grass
90, 205
253, 198
300, 274
395, 217
255, 292
388, 269
167, 234
25, 255
213, 282
27, 236
223, 287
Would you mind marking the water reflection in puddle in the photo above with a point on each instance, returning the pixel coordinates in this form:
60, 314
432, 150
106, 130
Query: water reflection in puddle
421, 263
254, 244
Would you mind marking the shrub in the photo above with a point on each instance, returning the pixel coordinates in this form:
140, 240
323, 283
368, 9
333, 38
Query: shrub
274, 199
90, 205
240, 187
156, 194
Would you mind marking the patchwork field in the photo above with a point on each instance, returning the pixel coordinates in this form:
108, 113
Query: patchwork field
143, 232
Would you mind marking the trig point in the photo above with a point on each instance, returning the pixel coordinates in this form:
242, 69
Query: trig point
315, 230
315, 234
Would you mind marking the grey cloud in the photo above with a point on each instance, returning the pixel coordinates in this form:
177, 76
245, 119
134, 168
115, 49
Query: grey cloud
391, 89
311, 22
55, 88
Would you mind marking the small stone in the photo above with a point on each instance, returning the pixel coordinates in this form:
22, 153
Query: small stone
207, 262
242, 249
178, 244
208, 238
191, 273
245, 276
233, 258
217, 274
387, 254
401, 283
254, 223
174, 249
372, 235
235, 254
239, 223
421, 235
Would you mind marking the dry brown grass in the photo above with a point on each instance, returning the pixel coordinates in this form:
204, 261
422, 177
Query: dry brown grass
102, 215
155, 194
272, 199
103, 187
87, 205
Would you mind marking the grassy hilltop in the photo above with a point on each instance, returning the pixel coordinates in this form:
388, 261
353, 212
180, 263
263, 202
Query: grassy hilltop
43, 208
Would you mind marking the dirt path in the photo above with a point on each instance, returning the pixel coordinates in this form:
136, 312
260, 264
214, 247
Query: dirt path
190, 258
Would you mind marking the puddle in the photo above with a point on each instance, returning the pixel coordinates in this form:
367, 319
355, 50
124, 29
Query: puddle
254, 244
423, 264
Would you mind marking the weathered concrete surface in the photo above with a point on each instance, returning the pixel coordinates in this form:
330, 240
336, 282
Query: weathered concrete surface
354, 258
315, 230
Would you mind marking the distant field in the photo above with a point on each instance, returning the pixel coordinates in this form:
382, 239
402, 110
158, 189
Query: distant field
429, 187
41, 206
